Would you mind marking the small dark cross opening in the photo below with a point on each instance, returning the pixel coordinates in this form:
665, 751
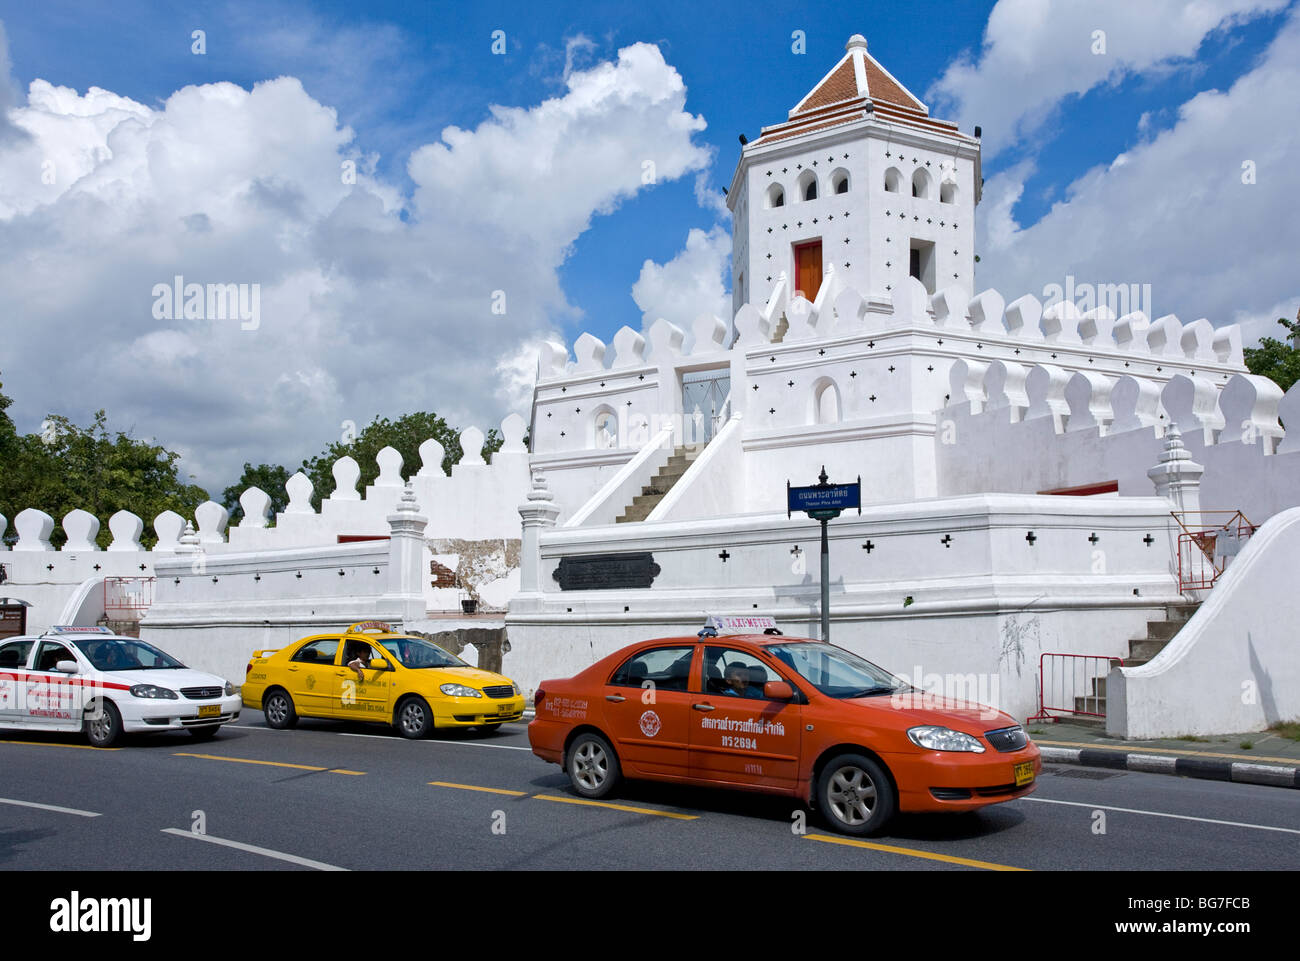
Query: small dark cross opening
1093, 538
1031, 538
724, 555
946, 541
1148, 540
868, 547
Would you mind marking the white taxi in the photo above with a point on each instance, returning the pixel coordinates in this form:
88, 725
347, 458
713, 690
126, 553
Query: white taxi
90, 679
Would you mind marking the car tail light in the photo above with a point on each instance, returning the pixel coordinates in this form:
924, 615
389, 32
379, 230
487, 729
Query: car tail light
247, 669
537, 699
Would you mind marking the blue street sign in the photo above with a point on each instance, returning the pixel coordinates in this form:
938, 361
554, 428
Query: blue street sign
835, 497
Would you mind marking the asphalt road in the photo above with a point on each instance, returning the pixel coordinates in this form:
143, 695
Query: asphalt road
345, 796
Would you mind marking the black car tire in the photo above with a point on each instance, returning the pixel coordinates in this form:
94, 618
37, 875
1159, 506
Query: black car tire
102, 724
413, 718
855, 795
278, 708
592, 766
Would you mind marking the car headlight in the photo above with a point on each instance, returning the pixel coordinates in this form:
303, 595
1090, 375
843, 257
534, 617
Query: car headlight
154, 691
230, 689
459, 690
518, 693
944, 739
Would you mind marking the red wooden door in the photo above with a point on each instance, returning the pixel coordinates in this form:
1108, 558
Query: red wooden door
808, 268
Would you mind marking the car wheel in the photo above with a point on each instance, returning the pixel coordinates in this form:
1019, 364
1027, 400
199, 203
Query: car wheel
279, 710
103, 724
855, 794
414, 719
592, 766
204, 733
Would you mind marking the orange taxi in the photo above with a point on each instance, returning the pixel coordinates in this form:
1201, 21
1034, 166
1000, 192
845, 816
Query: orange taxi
741, 705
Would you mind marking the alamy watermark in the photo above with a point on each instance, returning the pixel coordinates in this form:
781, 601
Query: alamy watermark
181, 301
1120, 298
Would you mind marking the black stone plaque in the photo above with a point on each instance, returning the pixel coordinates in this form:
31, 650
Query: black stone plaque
603, 572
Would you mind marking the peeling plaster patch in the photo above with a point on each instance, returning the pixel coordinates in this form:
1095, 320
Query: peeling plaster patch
479, 562
1014, 635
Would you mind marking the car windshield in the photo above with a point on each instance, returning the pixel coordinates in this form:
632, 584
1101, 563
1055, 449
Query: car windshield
123, 654
836, 672
416, 652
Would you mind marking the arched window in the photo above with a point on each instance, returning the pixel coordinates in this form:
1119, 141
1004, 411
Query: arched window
775, 196
947, 193
606, 429
808, 185
893, 180
840, 181
826, 402
921, 183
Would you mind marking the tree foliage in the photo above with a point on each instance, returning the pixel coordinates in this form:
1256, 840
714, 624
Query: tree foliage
1276, 359
270, 478
65, 467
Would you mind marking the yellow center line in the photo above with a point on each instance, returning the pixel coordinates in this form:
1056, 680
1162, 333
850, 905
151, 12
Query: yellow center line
913, 853
1143, 749
474, 787
246, 760
616, 807
84, 747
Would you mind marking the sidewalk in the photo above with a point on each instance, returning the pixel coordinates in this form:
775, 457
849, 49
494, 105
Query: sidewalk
1271, 759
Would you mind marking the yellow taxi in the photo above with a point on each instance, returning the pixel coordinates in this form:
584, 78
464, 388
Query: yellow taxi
372, 673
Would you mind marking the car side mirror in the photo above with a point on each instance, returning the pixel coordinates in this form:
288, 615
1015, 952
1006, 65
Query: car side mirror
378, 664
66, 667
778, 691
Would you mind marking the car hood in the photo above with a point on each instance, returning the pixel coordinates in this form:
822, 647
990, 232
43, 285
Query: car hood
472, 675
172, 678
921, 708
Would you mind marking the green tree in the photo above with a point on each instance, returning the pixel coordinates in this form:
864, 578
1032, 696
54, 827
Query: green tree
405, 435
268, 477
65, 467
1277, 359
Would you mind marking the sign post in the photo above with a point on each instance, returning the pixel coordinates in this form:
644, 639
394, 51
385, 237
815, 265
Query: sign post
822, 502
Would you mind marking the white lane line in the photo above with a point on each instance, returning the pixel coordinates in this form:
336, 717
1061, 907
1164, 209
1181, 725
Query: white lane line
1162, 814
50, 807
253, 849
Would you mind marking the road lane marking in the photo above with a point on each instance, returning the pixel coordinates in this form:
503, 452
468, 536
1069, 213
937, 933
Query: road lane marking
49, 807
1145, 749
913, 853
474, 787
253, 849
383, 737
616, 807
1162, 814
247, 760
84, 747
389, 737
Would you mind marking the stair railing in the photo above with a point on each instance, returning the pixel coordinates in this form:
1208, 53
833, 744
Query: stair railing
1207, 541
1063, 677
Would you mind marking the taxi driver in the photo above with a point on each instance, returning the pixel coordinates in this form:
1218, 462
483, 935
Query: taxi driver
736, 678
359, 655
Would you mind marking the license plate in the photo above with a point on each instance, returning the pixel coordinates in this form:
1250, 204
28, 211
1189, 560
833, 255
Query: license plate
1024, 773
210, 710
504, 709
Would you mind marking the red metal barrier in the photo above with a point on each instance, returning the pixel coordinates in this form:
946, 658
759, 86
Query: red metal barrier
1071, 679
127, 598
1207, 541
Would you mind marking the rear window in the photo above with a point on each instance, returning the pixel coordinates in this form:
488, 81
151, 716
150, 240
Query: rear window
665, 668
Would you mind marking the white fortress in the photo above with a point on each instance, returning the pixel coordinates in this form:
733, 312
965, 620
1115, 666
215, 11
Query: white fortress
1025, 489
1039, 481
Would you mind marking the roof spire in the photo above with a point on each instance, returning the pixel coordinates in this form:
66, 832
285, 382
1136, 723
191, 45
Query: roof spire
856, 42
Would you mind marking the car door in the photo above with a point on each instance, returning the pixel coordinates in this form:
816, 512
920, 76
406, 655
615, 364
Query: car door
364, 696
742, 737
647, 708
48, 694
13, 670
312, 677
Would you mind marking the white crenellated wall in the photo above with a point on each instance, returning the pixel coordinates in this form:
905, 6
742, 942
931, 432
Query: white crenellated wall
476, 503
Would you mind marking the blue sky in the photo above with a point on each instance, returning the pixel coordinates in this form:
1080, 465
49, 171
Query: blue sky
398, 74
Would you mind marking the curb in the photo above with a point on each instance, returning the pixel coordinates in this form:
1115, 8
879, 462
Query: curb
1273, 775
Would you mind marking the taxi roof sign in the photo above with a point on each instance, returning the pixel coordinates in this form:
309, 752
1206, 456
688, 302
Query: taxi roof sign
382, 627
739, 623
79, 629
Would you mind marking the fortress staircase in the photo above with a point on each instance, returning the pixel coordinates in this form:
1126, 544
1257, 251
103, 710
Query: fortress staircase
663, 481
